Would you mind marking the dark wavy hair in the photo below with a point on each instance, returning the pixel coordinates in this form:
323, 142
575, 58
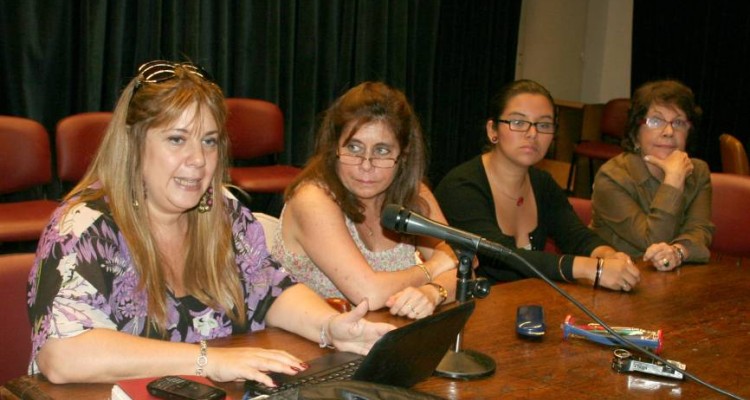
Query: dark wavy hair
668, 93
363, 104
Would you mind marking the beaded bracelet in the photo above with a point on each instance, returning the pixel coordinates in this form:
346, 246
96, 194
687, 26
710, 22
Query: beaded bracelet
599, 268
202, 360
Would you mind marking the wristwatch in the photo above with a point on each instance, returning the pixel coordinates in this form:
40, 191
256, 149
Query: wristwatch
441, 291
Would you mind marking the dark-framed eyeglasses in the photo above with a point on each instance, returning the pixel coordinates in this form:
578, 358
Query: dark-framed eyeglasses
377, 162
657, 123
519, 125
161, 70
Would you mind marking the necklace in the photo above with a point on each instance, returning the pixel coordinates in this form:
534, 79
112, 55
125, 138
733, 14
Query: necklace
519, 200
369, 230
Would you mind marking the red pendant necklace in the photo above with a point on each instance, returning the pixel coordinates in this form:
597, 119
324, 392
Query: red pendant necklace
519, 200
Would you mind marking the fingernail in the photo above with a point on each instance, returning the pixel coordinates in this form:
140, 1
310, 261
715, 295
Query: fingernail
275, 384
297, 369
304, 365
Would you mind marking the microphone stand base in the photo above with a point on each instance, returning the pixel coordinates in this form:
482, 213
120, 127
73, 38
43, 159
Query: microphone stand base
465, 364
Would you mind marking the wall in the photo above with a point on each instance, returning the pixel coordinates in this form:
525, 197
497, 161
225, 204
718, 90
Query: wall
579, 49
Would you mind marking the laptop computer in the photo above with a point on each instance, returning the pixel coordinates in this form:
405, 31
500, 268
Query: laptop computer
402, 357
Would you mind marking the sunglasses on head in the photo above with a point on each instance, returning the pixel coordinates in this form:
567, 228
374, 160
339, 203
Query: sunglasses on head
161, 70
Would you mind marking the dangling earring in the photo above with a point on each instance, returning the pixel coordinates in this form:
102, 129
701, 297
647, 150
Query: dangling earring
136, 204
207, 200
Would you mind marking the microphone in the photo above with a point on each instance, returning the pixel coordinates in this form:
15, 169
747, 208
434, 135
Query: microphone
402, 220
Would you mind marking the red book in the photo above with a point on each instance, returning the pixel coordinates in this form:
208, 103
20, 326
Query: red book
135, 389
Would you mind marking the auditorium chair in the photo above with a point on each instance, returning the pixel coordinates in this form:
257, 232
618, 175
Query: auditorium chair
731, 193
270, 225
582, 207
612, 128
77, 139
15, 335
26, 169
256, 130
733, 155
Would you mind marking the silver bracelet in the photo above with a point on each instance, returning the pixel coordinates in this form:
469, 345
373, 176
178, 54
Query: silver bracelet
680, 254
202, 360
325, 342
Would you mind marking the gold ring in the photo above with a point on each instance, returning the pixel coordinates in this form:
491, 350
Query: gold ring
665, 262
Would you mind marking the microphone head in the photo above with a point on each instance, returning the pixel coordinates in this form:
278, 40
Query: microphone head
393, 217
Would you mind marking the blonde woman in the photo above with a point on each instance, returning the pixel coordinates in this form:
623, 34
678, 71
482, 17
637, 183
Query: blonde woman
148, 257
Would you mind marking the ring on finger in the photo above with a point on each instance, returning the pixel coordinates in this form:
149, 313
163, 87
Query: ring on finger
625, 286
665, 262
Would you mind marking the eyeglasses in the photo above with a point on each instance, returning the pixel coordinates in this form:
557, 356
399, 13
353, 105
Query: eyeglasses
657, 123
160, 71
377, 162
519, 125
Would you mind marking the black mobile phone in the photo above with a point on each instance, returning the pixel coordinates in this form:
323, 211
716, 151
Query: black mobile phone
179, 388
530, 321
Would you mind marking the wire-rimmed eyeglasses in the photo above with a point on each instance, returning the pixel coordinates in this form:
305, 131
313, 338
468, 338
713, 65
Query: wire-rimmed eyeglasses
519, 125
377, 162
657, 123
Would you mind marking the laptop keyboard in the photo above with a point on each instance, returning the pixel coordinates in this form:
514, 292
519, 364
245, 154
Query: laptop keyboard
338, 373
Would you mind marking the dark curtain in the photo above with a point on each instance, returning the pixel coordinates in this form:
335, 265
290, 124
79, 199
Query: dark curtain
706, 45
64, 57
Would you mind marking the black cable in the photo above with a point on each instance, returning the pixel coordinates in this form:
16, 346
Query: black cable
624, 341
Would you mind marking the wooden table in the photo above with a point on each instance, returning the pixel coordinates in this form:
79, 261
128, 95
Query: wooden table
702, 310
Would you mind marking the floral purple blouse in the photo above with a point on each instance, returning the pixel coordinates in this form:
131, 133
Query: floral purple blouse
83, 278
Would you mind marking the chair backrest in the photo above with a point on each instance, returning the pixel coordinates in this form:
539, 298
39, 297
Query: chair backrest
615, 118
733, 155
730, 195
256, 128
270, 225
582, 208
25, 155
15, 335
77, 139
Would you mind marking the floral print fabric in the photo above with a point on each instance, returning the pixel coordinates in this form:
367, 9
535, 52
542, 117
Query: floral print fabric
83, 278
402, 256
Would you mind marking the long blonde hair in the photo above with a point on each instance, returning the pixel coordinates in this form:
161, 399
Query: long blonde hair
211, 274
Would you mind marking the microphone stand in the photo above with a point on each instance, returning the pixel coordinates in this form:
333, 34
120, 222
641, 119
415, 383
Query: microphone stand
462, 363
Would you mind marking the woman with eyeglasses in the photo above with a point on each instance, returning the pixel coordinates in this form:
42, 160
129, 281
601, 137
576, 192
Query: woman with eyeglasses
149, 256
369, 153
502, 197
653, 200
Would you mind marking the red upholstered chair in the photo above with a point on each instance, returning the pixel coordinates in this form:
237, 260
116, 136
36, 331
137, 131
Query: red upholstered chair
733, 155
731, 194
613, 125
26, 167
15, 335
582, 207
77, 139
256, 129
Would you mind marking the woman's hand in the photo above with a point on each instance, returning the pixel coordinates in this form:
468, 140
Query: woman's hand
677, 166
619, 273
663, 256
411, 302
351, 332
232, 364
